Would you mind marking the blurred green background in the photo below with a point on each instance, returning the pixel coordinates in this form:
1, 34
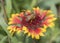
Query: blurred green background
7, 7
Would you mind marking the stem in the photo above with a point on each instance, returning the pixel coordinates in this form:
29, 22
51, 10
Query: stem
4, 11
9, 40
59, 11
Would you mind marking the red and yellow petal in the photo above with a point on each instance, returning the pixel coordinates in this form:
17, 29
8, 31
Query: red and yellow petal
18, 30
14, 20
12, 29
28, 12
34, 33
36, 10
21, 14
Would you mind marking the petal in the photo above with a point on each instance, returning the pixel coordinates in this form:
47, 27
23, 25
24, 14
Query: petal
29, 34
37, 36
51, 15
51, 25
32, 35
43, 14
51, 20
49, 11
16, 20
28, 12
21, 14
26, 31
41, 34
36, 10
38, 30
43, 30
10, 22
13, 15
24, 28
18, 31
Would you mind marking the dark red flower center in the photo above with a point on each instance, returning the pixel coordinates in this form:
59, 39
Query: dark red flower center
32, 23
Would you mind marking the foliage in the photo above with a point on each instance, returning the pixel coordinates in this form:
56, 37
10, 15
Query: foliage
7, 7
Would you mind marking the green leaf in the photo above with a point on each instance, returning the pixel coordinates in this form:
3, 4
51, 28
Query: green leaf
32, 4
3, 39
53, 8
8, 7
29, 40
16, 6
1, 36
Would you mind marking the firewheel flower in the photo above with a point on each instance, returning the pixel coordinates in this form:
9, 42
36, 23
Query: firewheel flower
33, 23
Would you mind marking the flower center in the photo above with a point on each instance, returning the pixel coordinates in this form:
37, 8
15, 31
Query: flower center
33, 23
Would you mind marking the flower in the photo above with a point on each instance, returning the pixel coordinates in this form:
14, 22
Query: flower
33, 23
